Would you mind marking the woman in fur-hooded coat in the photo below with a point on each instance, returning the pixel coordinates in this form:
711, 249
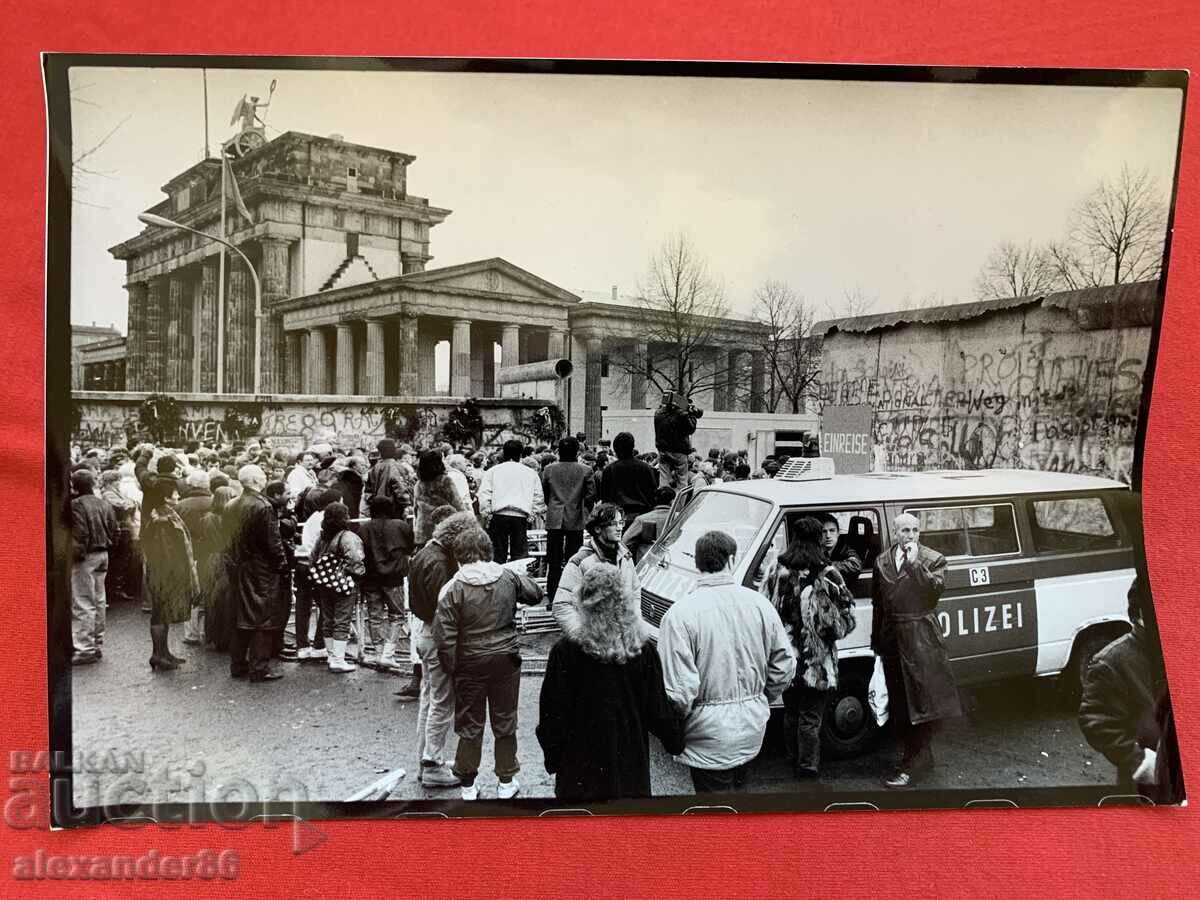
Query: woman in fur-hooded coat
434, 489
602, 697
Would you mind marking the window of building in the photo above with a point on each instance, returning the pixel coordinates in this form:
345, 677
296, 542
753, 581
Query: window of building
351, 172
183, 199
1075, 523
983, 530
604, 366
351, 243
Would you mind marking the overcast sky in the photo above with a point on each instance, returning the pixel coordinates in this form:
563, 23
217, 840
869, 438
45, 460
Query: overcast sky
896, 190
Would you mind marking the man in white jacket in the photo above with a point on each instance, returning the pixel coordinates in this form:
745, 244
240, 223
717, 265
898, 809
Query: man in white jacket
510, 494
725, 657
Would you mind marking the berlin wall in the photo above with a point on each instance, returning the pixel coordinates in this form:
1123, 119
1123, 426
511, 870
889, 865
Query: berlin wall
107, 419
1052, 384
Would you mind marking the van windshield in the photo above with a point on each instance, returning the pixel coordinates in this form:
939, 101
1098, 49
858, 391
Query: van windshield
738, 516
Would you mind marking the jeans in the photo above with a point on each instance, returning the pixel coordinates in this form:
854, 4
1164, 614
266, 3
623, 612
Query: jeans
673, 470
561, 545
486, 687
509, 537
435, 714
250, 652
718, 781
337, 612
803, 710
385, 612
88, 601
916, 740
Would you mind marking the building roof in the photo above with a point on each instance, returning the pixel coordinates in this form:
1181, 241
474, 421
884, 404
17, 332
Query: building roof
96, 331
936, 485
1098, 307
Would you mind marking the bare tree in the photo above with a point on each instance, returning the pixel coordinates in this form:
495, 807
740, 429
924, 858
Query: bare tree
82, 169
1016, 270
679, 320
1115, 235
792, 354
853, 302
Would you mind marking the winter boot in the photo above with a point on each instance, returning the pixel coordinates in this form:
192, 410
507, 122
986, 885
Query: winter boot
337, 658
387, 659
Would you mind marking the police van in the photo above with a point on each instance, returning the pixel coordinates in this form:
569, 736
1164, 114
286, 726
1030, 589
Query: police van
1039, 564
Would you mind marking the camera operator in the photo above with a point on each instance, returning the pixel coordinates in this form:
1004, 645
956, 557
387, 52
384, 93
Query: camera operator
674, 425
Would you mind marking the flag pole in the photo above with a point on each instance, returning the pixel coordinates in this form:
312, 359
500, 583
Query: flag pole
204, 76
221, 289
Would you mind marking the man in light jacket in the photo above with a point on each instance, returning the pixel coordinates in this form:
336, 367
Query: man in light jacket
510, 494
726, 657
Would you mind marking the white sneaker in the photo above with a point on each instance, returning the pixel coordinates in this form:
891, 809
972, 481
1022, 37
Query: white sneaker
508, 789
470, 793
304, 653
317, 653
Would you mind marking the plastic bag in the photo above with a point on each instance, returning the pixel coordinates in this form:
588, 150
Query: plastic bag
877, 694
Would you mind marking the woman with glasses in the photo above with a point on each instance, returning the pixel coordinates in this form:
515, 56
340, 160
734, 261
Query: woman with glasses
601, 545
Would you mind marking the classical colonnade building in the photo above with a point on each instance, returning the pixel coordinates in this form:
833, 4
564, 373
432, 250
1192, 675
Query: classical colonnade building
349, 306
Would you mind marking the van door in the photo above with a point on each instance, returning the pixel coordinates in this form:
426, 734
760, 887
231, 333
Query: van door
988, 611
1082, 564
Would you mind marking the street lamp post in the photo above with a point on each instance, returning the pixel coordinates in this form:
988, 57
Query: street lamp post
161, 222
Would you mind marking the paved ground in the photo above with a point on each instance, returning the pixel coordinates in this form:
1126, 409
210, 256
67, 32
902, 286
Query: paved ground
196, 731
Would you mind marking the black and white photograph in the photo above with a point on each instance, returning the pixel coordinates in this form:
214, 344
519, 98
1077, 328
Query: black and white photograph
501, 437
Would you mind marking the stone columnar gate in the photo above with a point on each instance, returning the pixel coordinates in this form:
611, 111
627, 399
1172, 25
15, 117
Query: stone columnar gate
351, 315
1052, 383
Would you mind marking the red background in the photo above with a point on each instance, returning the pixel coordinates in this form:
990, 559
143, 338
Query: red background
1113, 852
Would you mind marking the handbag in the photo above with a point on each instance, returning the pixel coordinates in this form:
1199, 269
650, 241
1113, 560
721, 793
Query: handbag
877, 694
329, 572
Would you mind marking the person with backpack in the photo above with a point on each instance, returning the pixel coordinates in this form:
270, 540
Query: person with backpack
388, 546
338, 565
316, 499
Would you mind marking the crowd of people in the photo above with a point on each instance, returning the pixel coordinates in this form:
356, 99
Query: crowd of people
236, 542
233, 543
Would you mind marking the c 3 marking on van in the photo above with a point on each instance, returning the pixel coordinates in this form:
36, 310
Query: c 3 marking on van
980, 576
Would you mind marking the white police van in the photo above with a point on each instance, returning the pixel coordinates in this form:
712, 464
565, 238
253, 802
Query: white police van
1039, 563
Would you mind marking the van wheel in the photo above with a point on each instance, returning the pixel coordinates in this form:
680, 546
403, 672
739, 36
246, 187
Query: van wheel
1086, 646
849, 728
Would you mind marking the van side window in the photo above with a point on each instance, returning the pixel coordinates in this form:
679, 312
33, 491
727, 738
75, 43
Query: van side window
983, 530
1071, 524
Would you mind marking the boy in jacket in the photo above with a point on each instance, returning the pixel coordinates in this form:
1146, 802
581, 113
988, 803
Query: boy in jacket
476, 636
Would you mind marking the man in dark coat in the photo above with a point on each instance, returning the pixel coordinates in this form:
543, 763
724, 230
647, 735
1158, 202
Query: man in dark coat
261, 568
389, 479
628, 482
570, 492
641, 535
907, 584
1117, 713
674, 425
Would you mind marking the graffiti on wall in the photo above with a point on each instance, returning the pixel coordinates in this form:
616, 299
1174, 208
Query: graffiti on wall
108, 423
1056, 402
